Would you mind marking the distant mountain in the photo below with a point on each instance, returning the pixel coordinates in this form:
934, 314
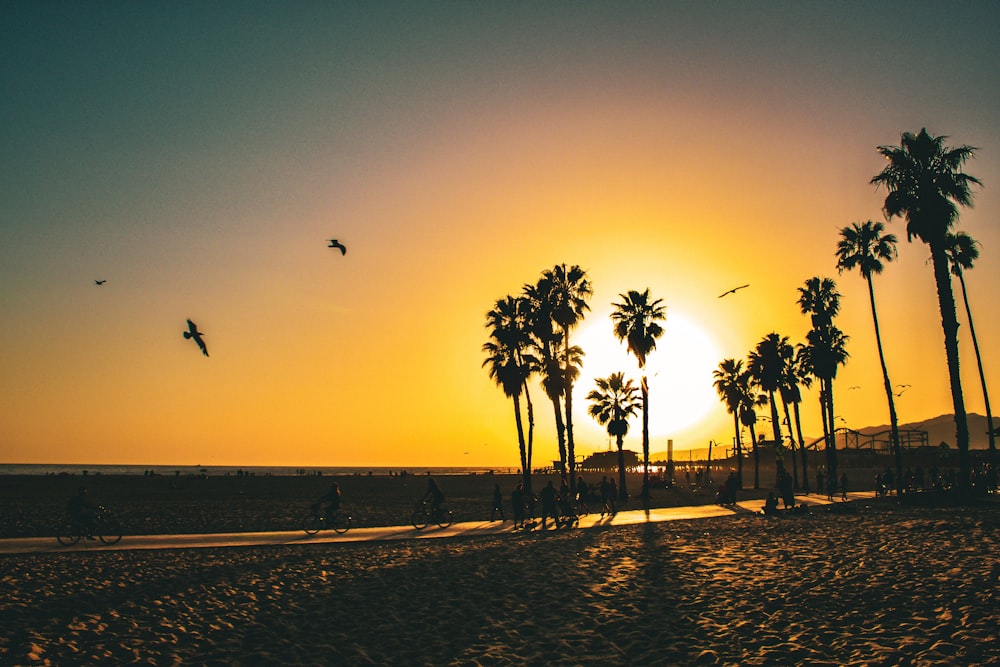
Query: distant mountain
942, 429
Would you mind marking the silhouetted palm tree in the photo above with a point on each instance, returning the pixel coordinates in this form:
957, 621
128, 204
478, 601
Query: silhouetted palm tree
748, 417
569, 290
789, 392
926, 185
510, 364
766, 364
962, 254
637, 320
730, 385
863, 246
804, 378
612, 404
825, 351
547, 341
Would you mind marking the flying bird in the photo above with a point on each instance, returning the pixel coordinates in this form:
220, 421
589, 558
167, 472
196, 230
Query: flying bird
100, 282
903, 387
193, 332
733, 291
334, 243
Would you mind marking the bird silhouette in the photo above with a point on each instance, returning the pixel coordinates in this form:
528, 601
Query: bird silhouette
733, 291
193, 332
100, 282
334, 243
903, 387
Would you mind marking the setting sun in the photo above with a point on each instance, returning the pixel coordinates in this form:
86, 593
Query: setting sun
679, 371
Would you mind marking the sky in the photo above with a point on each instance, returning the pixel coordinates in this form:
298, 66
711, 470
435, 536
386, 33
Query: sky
199, 156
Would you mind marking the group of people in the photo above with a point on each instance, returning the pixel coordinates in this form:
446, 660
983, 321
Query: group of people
561, 505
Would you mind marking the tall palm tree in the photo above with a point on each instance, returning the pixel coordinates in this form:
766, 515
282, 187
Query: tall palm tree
767, 363
612, 404
510, 364
926, 185
750, 400
729, 385
825, 350
547, 341
569, 290
800, 377
637, 320
962, 254
863, 246
788, 389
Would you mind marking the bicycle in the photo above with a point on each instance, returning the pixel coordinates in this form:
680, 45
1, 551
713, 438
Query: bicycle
424, 515
315, 521
104, 526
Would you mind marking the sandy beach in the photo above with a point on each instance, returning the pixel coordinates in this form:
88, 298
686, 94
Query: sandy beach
872, 583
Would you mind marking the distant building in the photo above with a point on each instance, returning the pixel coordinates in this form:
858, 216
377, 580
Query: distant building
609, 461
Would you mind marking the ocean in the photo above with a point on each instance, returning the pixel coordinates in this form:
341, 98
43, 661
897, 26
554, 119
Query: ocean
105, 469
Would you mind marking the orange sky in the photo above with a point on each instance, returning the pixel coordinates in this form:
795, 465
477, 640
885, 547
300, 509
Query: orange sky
200, 165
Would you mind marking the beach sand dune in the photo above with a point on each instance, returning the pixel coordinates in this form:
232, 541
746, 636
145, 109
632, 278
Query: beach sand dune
880, 586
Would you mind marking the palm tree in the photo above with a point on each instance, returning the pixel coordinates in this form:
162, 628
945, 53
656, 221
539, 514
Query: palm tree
568, 293
749, 402
729, 385
799, 375
510, 364
962, 253
825, 351
612, 404
788, 389
865, 247
547, 342
926, 185
767, 363
636, 321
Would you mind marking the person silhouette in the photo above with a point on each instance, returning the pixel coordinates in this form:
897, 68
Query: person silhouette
332, 499
550, 499
82, 512
433, 496
517, 503
497, 504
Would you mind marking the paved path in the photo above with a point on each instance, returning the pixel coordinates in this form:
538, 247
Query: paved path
37, 545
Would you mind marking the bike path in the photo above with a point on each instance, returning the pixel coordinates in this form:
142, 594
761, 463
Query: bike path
41, 545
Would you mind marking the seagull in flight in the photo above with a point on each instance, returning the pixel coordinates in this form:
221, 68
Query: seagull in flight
334, 243
903, 387
733, 291
193, 332
100, 282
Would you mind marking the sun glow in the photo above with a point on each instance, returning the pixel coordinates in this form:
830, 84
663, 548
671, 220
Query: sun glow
679, 372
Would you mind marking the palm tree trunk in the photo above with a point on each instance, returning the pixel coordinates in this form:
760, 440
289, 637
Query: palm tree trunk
775, 425
832, 452
827, 427
739, 452
756, 458
622, 492
525, 469
982, 377
531, 424
570, 447
795, 463
645, 441
560, 429
949, 322
802, 447
897, 448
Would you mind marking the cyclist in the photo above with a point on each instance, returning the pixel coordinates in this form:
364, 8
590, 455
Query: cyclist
433, 497
82, 512
332, 500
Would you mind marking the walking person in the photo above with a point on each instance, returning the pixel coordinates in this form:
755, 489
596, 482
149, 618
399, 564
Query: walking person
497, 504
517, 505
